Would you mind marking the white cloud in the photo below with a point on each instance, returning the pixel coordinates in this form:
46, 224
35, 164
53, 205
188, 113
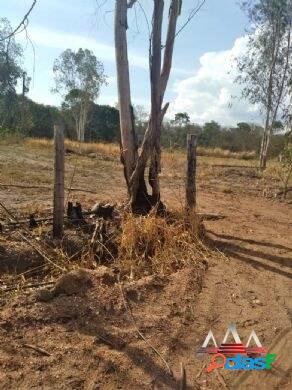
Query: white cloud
208, 94
44, 96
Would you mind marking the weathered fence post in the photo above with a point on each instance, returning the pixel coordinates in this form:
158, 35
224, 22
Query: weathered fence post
58, 217
191, 173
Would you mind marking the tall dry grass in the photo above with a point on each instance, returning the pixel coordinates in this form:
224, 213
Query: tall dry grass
218, 152
151, 244
112, 149
106, 149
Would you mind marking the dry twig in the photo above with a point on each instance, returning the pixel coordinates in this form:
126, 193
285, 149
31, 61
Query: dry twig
201, 371
45, 257
220, 379
34, 246
32, 285
183, 383
37, 349
129, 310
23, 22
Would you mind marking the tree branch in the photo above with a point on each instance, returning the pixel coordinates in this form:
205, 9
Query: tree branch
131, 3
174, 11
146, 19
163, 111
22, 23
192, 14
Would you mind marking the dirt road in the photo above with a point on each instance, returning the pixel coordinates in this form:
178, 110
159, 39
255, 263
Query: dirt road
252, 288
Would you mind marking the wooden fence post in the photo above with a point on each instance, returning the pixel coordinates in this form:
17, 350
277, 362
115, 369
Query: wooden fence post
191, 172
58, 217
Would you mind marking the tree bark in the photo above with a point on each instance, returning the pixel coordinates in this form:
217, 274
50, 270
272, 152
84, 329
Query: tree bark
155, 165
263, 157
155, 79
134, 164
128, 141
279, 97
271, 113
137, 182
174, 12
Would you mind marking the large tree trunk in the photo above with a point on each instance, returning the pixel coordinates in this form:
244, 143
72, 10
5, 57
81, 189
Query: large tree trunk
134, 164
128, 141
76, 127
264, 143
155, 165
155, 79
151, 143
139, 196
83, 117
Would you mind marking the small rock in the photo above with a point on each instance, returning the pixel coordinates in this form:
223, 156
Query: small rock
256, 301
44, 295
73, 282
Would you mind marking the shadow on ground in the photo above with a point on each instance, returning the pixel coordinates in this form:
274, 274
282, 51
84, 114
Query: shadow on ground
230, 245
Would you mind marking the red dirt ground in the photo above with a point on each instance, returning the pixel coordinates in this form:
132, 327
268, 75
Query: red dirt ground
93, 340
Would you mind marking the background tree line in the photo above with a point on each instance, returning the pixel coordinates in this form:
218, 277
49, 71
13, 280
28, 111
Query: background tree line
31, 119
78, 78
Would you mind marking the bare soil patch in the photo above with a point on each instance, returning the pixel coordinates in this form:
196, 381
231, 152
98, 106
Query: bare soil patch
92, 337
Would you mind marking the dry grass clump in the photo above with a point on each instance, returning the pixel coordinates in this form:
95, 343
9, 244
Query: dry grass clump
82, 148
174, 160
111, 149
151, 244
218, 152
98, 147
39, 142
179, 154
6, 138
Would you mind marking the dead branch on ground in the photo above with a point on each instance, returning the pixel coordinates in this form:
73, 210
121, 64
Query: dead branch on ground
31, 285
37, 349
129, 310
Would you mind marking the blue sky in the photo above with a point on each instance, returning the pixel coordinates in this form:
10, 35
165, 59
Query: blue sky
201, 79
